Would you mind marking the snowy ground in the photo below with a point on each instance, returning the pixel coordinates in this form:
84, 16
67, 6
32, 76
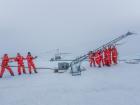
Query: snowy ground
116, 85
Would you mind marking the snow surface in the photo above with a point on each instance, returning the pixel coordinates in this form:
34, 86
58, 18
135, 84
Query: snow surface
74, 26
116, 85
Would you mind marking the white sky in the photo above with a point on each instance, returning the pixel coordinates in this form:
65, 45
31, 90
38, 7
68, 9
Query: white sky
71, 25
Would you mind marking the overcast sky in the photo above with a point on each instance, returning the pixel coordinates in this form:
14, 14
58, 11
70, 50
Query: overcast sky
71, 25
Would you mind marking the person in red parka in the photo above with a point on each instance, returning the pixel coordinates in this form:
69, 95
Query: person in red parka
114, 55
98, 58
107, 57
92, 59
30, 62
19, 59
102, 57
4, 65
110, 54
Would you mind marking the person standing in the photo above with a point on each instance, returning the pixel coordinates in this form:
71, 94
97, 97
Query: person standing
102, 57
114, 55
110, 54
19, 59
92, 59
4, 65
107, 57
98, 58
30, 62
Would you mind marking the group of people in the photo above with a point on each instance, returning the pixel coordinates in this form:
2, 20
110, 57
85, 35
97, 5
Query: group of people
105, 57
20, 62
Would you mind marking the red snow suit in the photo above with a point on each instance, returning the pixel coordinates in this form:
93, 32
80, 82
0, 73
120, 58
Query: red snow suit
114, 55
31, 64
102, 58
92, 59
110, 56
98, 58
4, 65
20, 62
107, 57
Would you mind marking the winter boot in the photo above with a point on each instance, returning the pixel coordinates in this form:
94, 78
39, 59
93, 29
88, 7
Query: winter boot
35, 71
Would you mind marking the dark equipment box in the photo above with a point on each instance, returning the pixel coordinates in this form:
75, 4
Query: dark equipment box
63, 66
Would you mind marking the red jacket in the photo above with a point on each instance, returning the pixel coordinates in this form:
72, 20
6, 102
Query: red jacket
98, 57
30, 59
5, 60
19, 59
107, 54
92, 57
114, 52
